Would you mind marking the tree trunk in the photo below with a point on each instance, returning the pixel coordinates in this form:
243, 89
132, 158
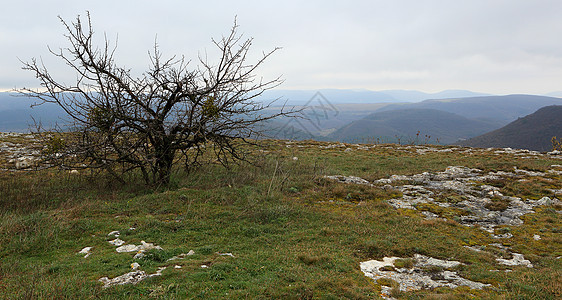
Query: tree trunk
164, 163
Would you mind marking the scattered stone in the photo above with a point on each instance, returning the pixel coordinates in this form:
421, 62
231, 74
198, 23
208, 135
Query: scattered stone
517, 260
177, 267
536, 237
295, 158
182, 256
204, 266
86, 251
225, 254
117, 242
417, 277
424, 261
499, 246
128, 278
24, 162
127, 248
467, 183
429, 215
475, 248
528, 173
133, 277
349, 179
142, 247
506, 235
135, 266
386, 292
114, 233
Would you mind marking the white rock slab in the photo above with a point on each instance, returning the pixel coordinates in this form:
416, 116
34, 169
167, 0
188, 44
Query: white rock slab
517, 260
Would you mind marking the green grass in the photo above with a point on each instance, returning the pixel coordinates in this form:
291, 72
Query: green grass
293, 234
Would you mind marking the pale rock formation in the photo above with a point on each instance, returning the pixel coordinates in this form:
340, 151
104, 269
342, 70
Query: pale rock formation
417, 277
133, 277
348, 179
182, 256
142, 247
117, 242
86, 251
517, 260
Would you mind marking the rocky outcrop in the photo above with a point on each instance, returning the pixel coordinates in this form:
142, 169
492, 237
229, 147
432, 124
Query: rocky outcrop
420, 272
476, 196
132, 277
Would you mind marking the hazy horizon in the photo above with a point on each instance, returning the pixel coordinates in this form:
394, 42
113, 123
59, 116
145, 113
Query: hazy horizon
488, 46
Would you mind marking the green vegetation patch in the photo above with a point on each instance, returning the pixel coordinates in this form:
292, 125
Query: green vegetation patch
262, 230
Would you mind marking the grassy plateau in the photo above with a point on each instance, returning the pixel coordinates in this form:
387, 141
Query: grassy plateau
291, 233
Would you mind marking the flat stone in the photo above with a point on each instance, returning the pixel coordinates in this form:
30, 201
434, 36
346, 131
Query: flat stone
474, 248
127, 248
517, 260
182, 256
464, 182
348, 179
417, 278
142, 247
423, 261
133, 277
117, 242
86, 251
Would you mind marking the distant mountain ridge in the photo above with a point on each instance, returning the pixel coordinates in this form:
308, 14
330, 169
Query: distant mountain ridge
533, 132
500, 109
346, 96
446, 120
404, 124
16, 113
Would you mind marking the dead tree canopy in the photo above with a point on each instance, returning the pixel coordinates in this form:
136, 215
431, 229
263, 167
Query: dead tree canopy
165, 117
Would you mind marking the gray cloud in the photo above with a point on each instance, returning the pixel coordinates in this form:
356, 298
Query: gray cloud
491, 46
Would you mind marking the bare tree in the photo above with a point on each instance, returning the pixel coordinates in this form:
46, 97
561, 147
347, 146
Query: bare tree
122, 123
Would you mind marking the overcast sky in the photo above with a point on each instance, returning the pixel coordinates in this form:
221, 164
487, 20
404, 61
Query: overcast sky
492, 46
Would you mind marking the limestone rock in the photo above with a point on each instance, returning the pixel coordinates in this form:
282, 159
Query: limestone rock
517, 260
348, 179
142, 247
133, 277
467, 183
86, 251
226, 254
127, 248
424, 261
417, 277
117, 242
182, 256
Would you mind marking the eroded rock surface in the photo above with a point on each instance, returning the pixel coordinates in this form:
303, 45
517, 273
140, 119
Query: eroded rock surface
142, 247
475, 197
86, 251
425, 273
133, 277
348, 179
517, 260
